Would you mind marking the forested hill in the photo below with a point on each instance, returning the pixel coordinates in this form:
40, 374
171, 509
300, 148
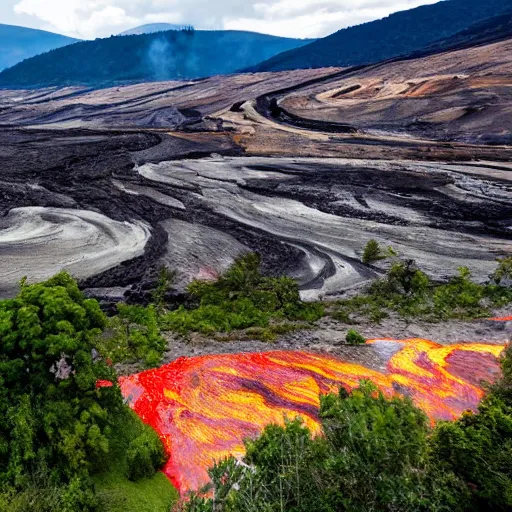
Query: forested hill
169, 55
484, 32
18, 43
400, 34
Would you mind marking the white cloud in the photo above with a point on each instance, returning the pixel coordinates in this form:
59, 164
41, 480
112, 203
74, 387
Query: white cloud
81, 18
298, 18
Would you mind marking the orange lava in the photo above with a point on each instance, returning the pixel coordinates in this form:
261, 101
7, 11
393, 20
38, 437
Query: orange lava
204, 407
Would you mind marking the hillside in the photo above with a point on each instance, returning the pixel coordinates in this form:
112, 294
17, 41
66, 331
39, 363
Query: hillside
483, 32
169, 55
400, 34
19, 43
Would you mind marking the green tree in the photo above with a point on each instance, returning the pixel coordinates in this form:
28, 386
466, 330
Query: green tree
55, 422
478, 447
239, 299
372, 252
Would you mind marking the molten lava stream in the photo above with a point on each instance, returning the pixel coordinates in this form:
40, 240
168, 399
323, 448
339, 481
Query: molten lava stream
204, 407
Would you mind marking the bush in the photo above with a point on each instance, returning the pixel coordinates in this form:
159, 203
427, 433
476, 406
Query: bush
460, 297
145, 456
56, 425
42, 496
165, 279
374, 455
478, 447
242, 298
503, 273
404, 279
133, 335
410, 292
354, 338
372, 252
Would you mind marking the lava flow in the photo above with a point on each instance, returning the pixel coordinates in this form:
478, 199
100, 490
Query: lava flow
204, 407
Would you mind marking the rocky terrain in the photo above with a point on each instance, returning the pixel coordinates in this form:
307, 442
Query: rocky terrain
303, 166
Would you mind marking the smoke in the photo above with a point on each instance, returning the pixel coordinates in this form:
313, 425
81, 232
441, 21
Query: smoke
160, 59
173, 55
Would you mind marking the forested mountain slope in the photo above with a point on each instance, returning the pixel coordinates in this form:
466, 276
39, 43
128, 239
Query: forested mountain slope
185, 54
400, 34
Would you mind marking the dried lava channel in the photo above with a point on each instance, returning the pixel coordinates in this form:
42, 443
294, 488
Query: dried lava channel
77, 168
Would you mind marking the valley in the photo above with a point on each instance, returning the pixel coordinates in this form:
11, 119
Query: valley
267, 163
138, 190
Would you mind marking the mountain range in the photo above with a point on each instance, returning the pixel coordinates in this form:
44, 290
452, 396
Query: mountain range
19, 43
397, 35
150, 54
171, 55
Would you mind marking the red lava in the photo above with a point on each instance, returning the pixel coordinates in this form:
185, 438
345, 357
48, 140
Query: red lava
204, 407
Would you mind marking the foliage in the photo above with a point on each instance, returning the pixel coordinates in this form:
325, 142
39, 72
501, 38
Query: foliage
50, 408
409, 292
42, 496
55, 423
504, 271
478, 447
145, 456
372, 252
165, 280
166, 55
374, 455
133, 335
354, 338
242, 298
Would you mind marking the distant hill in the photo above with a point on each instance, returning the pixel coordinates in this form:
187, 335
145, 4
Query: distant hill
19, 43
169, 55
483, 32
152, 28
400, 34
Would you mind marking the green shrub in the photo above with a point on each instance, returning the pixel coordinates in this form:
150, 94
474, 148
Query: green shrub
145, 455
51, 414
374, 455
478, 447
403, 278
354, 338
372, 252
460, 297
165, 279
504, 271
408, 291
242, 298
133, 335
42, 496
56, 425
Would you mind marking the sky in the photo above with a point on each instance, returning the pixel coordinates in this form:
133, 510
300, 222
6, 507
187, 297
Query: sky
88, 19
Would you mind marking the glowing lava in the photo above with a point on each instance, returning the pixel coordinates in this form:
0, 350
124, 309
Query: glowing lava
204, 407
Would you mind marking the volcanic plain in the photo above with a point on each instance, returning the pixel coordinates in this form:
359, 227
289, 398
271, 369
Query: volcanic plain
302, 166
